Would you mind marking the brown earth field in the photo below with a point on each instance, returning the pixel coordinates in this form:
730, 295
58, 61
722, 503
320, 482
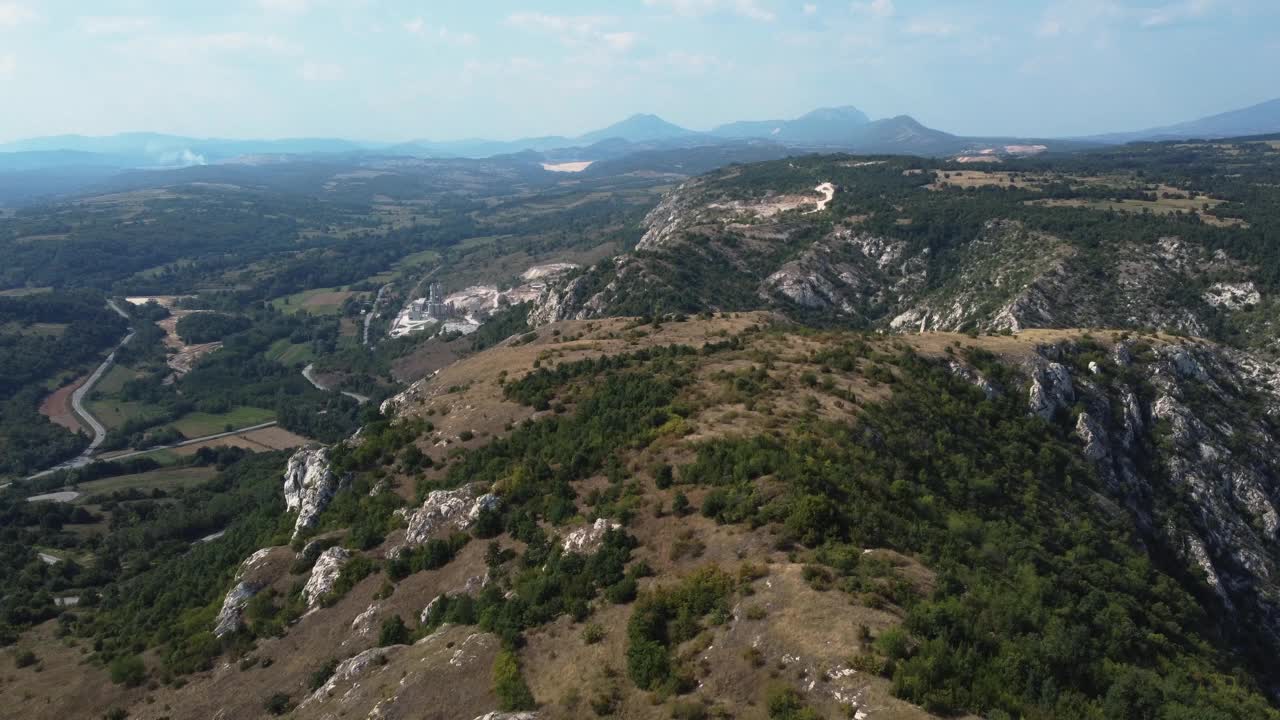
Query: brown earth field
266, 439
57, 406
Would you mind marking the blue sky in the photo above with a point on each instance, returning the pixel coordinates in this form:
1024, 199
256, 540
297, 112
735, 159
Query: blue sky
395, 69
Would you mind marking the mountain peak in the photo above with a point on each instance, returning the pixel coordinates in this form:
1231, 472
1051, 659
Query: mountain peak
640, 127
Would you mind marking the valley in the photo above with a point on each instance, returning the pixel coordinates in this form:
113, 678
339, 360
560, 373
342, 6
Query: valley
825, 435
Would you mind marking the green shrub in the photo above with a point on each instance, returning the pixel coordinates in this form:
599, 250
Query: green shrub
592, 633
25, 658
321, 675
509, 685
128, 670
278, 704
394, 632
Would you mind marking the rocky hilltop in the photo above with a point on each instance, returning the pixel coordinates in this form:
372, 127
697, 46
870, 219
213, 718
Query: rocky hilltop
1167, 443
916, 257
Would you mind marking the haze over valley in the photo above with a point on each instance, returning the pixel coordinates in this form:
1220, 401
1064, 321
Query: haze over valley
713, 359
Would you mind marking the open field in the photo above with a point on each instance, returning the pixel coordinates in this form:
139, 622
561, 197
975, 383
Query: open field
20, 292
162, 479
113, 413
321, 301
265, 439
423, 256
288, 353
1163, 206
197, 424
983, 178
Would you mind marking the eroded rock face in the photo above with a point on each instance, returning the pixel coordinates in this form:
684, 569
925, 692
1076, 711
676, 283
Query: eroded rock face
309, 485
349, 669
325, 573
509, 716
586, 540
446, 509
1051, 390
1194, 432
229, 617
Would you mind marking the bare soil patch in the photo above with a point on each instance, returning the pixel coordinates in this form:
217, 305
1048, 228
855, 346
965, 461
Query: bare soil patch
264, 440
57, 406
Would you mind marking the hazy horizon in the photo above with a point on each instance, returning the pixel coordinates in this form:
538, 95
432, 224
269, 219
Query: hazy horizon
386, 71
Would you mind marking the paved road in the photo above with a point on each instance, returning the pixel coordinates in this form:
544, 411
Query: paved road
193, 441
77, 405
368, 317
82, 460
308, 372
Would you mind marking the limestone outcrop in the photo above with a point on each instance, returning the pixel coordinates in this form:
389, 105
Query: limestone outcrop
446, 509
325, 573
309, 485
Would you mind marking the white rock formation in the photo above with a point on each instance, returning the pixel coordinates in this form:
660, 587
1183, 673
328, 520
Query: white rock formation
309, 485
348, 669
446, 509
586, 540
509, 716
324, 574
229, 617
1232, 296
1050, 390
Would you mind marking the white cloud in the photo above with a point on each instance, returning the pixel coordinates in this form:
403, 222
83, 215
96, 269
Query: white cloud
8, 65
182, 48
287, 7
419, 27
750, 9
1175, 13
931, 28
114, 24
13, 14
809, 9
580, 31
620, 41
875, 8
1071, 17
316, 72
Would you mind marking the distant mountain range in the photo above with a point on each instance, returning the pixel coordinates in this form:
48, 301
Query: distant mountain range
826, 129
1260, 119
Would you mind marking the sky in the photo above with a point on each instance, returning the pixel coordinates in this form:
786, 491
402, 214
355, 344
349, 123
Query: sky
392, 70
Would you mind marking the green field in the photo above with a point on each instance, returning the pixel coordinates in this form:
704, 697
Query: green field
45, 329
418, 257
320, 301
113, 412
163, 478
199, 424
287, 353
113, 382
19, 292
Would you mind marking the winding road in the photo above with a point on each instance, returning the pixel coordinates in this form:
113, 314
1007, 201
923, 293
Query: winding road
77, 405
309, 371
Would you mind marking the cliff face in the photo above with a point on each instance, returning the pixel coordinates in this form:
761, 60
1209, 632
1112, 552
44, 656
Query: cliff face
1186, 438
724, 244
